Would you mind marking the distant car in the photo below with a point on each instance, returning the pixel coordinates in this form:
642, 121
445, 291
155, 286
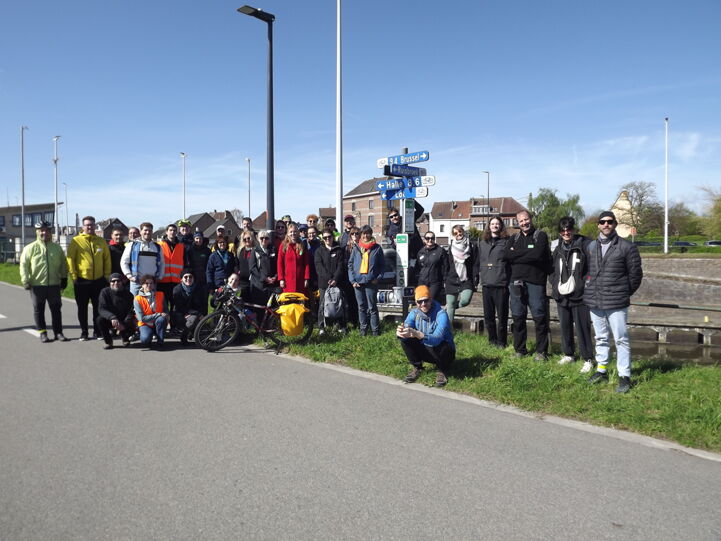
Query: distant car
712, 243
683, 243
646, 243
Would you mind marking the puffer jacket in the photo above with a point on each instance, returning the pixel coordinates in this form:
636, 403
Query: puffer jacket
492, 264
435, 325
376, 265
88, 258
563, 263
330, 265
42, 264
612, 280
432, 265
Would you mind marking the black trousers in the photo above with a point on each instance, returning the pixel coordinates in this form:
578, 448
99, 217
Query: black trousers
495, 301
88, 291
50, 294
167, 289
580, 315
106, 330
186, 326
441, 355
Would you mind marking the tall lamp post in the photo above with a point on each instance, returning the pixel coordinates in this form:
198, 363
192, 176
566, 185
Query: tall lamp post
270, 173
249, 213
67, 219
183, 155
488, 192
55, 162
338, 118
22, 186
665, 197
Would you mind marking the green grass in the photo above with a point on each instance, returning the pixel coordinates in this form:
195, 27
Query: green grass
10, 273
668, 400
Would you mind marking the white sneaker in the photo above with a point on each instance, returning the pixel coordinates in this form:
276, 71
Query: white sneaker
566, 359
587, 367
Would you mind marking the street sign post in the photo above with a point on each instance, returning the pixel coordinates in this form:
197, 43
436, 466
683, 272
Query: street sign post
392, 195
404, 159
403, 171
409, 218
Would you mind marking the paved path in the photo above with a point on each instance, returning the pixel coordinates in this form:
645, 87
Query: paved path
242, 444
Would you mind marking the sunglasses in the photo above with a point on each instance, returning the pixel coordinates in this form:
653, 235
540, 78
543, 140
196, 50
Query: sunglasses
394, 216
430, 238
604, 222
327, 237
247, 240
264, 238
423, 301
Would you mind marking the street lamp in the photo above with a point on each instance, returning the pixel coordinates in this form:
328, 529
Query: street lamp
22, 186
67, 220
488, 191
55, 162
183, 155
270, 176
249, 214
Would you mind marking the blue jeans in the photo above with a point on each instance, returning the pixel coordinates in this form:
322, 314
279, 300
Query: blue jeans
367, 298
615, 321
147, 332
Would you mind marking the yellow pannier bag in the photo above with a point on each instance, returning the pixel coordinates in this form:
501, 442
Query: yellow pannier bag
291, 311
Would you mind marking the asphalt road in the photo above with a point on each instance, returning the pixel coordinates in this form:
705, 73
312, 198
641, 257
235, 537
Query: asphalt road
242, 444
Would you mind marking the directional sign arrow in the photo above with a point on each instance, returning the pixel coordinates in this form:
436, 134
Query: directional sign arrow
404, 159
394, 184
405, 193
403, 171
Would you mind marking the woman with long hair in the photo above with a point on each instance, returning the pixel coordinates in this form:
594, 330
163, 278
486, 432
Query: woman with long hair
293, 267
245, 253
263, 269
495, 275
461, 272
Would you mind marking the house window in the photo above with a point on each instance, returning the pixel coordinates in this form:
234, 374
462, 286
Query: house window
507, 222
49, 216
371, 220
28, 220
478, 225
442, 228
2, 221
371, 203
16, 220
37, 218
352, 206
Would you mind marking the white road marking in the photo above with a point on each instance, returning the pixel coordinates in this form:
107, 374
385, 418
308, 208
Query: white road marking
3, 317
35, 333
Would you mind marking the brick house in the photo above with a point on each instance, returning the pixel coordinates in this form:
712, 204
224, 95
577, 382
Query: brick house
473, 213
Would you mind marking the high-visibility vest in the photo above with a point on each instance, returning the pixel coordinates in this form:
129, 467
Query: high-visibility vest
147, 310
173, 262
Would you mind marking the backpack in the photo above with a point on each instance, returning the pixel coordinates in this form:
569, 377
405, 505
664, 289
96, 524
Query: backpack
333, 303
291, 311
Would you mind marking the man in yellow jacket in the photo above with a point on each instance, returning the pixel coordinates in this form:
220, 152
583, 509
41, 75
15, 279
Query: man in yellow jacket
44, 272
89, 266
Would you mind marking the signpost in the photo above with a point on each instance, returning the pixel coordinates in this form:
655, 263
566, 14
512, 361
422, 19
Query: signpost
403, 171
405, 193
404, 159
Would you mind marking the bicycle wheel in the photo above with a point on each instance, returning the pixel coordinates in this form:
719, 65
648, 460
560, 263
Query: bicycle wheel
217, 330
272, 330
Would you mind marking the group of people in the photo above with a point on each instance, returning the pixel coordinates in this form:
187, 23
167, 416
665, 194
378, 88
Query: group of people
591, 281
142, 287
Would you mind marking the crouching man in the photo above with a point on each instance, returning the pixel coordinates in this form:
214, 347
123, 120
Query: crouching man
116, 312
190, 300
426, 336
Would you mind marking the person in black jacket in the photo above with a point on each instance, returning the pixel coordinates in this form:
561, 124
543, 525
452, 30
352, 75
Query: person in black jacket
432, 261
494, 272
331, 267
115, 311
246, 252
461, 276
191, 303
530, 258
569, 269
614, 274
116, 247
263, 269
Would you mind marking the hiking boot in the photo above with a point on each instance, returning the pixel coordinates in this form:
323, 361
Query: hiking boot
413, 375
83, 336
624, 384
566, 359
60, 337
587, 367
598, 377
441, 379
44, 338
540, 357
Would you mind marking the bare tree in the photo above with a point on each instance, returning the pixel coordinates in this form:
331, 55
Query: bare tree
644, 206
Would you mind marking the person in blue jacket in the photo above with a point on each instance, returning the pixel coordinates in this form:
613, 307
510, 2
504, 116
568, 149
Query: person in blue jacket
426, 336
221, 264
365, 268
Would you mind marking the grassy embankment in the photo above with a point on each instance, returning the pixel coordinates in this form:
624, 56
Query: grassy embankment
668, 400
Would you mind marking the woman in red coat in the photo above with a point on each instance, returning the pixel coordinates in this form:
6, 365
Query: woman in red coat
293, 267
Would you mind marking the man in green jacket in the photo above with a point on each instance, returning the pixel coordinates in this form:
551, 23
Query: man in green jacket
44, 272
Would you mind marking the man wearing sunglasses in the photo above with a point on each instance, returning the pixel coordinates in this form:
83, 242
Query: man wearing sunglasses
426, 336
115, 312
614, 274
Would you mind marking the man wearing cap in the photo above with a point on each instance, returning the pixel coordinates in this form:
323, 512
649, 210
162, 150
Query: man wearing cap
115, 312
220, 232
89, 266
330, 224
174, 261
116, 247
44, 272
614, 274
144, 256
190, 302
185, 233
426, 336
198, 256
348, 222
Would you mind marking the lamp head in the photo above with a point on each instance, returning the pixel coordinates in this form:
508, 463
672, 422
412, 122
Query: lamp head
257, 13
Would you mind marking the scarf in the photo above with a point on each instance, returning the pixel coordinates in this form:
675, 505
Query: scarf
188, 289
461, 250
365, 249
605, 242
224, 255
150, 295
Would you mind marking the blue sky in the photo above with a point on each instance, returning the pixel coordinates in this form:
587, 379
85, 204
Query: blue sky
569, 95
